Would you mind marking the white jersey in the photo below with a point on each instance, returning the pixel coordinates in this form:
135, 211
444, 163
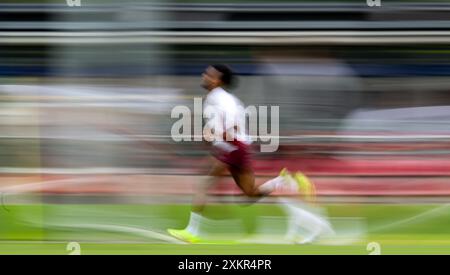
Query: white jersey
224, 113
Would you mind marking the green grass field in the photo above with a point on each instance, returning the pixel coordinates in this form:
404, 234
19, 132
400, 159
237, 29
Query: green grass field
135, 229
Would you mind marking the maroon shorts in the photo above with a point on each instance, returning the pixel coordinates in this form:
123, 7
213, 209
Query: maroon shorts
237, 156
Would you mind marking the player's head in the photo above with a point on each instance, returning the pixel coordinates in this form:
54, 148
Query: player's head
217, 75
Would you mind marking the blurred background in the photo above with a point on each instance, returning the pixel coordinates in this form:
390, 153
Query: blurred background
86, 95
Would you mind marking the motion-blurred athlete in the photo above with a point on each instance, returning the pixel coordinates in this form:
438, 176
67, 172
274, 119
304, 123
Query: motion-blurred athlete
230, 146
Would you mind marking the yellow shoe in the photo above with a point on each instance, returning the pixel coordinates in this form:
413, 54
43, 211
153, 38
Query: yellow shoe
284, 172
289, 181
184, 235
188, 237
306, 187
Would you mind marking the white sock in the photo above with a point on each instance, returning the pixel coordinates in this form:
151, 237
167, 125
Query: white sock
194, 223
273, 184
314, 224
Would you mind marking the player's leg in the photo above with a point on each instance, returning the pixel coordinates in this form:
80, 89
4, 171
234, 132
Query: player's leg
199, 201
284, 181
245, 179
299, 215
304, 216
192, 231
240, 168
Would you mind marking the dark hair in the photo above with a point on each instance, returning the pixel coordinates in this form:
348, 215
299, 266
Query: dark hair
227, 76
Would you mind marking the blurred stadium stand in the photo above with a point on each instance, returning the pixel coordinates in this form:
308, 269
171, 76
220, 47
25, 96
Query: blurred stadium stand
337, 71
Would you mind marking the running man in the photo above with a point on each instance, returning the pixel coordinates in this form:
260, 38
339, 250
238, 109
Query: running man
230, 146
